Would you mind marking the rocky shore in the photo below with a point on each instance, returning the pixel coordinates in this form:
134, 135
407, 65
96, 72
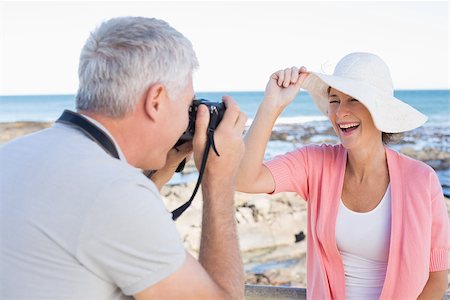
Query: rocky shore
272, 231
272, 228
9, 131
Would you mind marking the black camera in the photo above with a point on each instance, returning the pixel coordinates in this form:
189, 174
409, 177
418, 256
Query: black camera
216, 111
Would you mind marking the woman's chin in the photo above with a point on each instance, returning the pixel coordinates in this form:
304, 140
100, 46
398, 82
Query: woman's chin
347, 143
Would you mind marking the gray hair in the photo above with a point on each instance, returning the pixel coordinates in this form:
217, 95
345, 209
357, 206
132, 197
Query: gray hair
124, 56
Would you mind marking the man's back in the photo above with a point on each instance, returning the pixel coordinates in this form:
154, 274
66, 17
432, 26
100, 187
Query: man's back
77, 223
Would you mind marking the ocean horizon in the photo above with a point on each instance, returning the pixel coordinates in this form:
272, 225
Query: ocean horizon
435, 134
47, 108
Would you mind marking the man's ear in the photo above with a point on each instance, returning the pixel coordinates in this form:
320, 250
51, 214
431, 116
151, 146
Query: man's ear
155, 97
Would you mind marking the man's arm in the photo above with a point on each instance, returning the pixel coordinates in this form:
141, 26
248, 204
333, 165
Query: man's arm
219, 272
219, 248
191, 281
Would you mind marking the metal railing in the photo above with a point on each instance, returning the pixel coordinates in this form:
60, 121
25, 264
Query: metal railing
267, 292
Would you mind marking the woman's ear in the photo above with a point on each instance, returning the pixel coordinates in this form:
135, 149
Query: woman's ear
154, 99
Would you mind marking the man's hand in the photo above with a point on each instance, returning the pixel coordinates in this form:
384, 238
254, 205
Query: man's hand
174, 158
228, 141
283, 86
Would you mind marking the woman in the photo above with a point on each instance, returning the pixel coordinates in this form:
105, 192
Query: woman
377, 220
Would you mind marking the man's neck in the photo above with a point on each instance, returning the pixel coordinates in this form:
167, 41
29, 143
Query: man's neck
119, 129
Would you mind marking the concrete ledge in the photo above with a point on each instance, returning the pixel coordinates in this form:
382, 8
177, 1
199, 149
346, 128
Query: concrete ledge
263, 292
267, 292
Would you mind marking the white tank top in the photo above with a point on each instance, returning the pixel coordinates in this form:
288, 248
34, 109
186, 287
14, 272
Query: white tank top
363, 242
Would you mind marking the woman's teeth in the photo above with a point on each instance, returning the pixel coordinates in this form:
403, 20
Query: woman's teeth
348, 127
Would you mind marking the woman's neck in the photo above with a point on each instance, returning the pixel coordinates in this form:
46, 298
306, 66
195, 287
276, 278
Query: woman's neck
366, 162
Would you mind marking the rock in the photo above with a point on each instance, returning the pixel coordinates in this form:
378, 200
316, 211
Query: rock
263, 221
282, 266
300, 237
436, 158
9, 131
246, 215
279, 136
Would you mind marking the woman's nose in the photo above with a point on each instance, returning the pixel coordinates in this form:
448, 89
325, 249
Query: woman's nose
343, 110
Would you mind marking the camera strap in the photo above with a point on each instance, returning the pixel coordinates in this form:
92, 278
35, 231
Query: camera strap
209, 143
104, 141
90, 129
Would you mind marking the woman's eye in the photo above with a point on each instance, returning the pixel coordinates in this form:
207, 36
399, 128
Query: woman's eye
354, 100
333, 101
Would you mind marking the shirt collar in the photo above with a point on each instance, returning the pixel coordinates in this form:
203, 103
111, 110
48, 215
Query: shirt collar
99, 125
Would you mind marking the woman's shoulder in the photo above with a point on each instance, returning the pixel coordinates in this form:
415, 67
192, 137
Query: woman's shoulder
320, 153
409, 165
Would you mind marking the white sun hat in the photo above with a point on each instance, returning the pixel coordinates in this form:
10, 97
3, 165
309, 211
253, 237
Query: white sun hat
365, 77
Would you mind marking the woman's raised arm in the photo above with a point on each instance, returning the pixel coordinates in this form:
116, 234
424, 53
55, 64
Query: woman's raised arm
282, 88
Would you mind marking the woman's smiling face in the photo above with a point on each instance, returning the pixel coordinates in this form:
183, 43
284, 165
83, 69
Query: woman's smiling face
351, 121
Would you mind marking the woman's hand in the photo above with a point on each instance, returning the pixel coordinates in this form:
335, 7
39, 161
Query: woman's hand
283, 86
174, 158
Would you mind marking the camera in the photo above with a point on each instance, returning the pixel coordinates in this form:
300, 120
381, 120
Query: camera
216, 111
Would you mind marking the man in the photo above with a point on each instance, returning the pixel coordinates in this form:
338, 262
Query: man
78, 223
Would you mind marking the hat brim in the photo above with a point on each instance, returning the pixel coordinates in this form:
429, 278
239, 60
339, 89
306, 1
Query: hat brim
390, 115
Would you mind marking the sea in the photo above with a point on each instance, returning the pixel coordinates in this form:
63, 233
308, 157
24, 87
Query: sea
433, 103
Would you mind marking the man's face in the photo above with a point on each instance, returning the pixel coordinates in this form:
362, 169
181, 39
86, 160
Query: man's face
168, 120
177, 115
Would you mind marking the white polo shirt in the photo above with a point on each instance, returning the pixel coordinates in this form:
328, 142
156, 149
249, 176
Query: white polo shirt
79, 224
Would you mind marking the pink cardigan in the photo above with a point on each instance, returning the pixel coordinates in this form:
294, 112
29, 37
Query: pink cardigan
419, 227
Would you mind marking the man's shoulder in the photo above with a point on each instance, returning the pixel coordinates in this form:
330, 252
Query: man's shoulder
77, 160
104, 173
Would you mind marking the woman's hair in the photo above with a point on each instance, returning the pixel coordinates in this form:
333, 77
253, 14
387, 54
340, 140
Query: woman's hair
124, 56
386, 138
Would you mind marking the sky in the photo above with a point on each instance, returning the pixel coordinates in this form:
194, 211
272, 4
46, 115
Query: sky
238, 44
